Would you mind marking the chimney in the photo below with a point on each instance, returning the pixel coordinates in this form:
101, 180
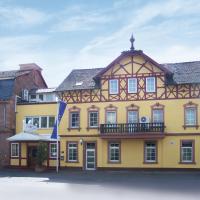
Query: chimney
29, 66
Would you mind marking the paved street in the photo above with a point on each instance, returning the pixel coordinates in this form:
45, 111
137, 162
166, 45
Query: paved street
18, 184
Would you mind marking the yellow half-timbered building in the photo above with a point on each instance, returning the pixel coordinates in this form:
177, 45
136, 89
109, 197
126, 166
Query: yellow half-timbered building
134, 113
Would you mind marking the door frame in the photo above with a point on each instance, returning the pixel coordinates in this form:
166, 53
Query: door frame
84, 154
28, 157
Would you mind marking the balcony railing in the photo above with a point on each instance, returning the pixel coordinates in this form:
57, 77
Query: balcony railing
131, 128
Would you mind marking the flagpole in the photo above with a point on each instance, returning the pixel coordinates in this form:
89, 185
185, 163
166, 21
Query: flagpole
57, 145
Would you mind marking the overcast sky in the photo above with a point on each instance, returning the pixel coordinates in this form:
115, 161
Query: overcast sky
62, 35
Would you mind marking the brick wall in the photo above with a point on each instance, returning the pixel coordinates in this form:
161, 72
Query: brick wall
4, 148
7, 110
29, 81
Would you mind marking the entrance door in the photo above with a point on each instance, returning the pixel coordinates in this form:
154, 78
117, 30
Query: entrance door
32, 153
90, 156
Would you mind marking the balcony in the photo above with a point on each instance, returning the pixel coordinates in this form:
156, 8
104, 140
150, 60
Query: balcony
132, 130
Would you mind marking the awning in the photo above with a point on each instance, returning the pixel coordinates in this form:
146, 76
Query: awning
35, 137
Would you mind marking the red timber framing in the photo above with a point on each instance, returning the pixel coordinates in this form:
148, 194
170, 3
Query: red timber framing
162, 92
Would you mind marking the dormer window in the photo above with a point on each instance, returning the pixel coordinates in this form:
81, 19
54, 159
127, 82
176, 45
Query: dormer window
150, 84
32, 97
79, 83
113, 86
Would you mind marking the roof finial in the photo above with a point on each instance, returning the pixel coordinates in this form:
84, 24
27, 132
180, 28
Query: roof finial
132, 39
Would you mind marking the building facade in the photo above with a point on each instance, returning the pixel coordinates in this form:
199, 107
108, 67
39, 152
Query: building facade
14, 86
134, 113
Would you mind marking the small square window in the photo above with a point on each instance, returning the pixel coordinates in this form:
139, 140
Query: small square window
32, 96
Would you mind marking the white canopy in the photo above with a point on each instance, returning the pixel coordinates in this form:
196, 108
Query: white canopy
25, 136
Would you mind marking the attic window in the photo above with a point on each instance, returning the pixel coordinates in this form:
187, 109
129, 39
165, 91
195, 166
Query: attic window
79, 83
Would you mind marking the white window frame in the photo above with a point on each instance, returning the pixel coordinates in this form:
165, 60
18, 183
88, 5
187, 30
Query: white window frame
90, 112
128, 115
40, 120
107, 113
14, 156
150, 88
186, 116
78, 125
112, 149
150, 148
52, 149
111, 89
72, 148
155, 116
186, 148
132, 90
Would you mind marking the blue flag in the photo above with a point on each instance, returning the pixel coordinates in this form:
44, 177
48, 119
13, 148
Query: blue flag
62, 106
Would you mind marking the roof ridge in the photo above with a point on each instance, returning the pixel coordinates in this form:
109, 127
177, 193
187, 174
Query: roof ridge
88, 68
9, 70
180, 62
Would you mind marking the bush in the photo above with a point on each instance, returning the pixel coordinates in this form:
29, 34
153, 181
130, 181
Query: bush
42, 153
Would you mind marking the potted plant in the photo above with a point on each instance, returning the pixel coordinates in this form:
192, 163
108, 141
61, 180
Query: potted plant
41, 156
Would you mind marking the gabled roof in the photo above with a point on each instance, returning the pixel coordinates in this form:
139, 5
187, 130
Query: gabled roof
7, 79
132, 53
6, 89
184, 72
80, 79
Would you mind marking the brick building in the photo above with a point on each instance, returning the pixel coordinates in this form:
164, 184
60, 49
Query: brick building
15, 85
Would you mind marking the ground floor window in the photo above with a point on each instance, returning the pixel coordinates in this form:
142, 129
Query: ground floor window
187, 154
150, 152
53, 150
72, 152
15, 150
114, 152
